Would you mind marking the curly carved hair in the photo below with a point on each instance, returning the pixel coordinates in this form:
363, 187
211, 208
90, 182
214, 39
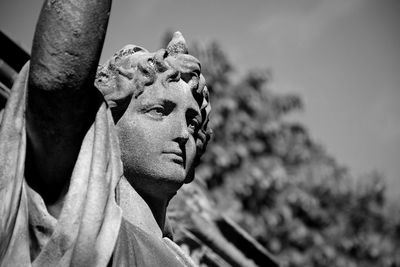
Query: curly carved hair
133, 68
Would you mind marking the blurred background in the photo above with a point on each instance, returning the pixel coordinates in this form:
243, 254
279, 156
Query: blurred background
306, 116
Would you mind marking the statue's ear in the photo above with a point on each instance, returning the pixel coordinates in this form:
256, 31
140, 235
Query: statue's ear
177, 45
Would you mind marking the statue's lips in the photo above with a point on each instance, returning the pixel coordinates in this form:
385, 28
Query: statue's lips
174, 155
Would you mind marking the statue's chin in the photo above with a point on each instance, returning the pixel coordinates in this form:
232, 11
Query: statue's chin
159, 183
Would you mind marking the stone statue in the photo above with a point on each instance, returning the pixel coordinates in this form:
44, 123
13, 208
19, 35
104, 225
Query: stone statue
90, 157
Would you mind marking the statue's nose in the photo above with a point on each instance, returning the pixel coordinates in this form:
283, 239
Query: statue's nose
181, 131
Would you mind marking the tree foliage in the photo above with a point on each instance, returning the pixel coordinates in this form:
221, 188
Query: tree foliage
273, 179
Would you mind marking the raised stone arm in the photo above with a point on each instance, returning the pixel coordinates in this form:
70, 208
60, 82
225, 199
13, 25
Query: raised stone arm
67, 43
62, 100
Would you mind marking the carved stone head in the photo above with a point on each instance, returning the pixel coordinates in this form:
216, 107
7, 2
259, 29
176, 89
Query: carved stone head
160, 105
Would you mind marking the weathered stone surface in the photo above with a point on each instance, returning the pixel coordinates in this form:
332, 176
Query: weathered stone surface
148, 125
66, 160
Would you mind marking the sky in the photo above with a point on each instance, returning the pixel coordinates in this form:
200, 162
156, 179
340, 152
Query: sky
341, 56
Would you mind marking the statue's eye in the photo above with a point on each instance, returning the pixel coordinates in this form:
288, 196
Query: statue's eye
194, 125
187, 77
196, 73
157, 112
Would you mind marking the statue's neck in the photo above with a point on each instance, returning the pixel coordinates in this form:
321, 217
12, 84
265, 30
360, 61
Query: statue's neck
158, 208
142, 211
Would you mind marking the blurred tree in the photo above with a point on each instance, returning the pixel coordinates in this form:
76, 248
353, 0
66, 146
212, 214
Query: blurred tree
270, 177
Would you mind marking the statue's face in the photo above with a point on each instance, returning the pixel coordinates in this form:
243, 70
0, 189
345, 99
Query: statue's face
157, 138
